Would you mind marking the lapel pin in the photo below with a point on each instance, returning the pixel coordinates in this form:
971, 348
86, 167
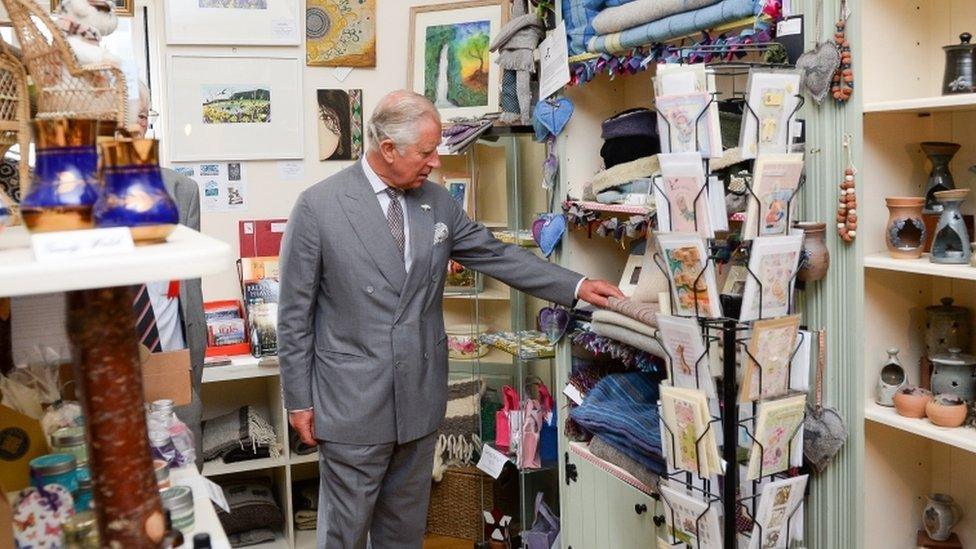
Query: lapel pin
425, 207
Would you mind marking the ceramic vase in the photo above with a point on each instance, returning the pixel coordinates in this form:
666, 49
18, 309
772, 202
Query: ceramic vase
940, 515
946, 410
905, 230
814, 251
940, 178
946, 326
958, 76
891, 379
64, 189
951, 242
133, 194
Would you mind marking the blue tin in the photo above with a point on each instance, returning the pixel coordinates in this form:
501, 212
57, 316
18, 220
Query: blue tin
83, 498
55, 469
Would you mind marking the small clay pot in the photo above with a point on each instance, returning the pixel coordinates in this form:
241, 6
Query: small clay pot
910, 401
905, 230
946, 410
814, 251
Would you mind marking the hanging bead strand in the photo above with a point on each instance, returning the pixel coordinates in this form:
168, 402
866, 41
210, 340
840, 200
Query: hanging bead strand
843, 81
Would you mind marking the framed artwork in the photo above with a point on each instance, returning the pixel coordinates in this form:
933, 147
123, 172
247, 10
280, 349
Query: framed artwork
778, 501
773, 260
778, 423
690, 445
771, 345
235, 108
682, 205
632, 274
448, 59
682, 339
340, 124
774, 181
461, 188
692, 277
772, 97
123, 8
340, 33
681, 130
691, 520
233, 22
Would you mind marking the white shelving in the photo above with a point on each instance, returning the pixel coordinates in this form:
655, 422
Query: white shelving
280, 542
186, 254
961, 437
241, 367
305, 539
919, 266
939, 103
217, 467
488, 294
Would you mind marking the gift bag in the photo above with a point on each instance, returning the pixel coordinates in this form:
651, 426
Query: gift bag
545, 527
528, 450
503, 423
490, 404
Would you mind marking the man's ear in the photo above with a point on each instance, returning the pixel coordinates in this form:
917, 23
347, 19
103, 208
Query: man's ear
388, 150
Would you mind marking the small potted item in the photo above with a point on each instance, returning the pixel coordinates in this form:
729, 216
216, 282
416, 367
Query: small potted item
958, 76
951, 242
946, 410
905, 231
891, 379
940, 178
946, 326
940, 515
910, 401
814, 251
464, 343
953, 373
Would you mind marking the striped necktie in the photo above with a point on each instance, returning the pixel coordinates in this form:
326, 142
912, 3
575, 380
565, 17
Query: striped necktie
146, 320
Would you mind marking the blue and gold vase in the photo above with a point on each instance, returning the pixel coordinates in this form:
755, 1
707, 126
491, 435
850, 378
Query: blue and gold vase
133, 194
64, 189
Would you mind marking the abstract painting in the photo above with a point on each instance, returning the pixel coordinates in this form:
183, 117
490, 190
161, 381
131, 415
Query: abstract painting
235, 104
340, 33
340, 124
449, 59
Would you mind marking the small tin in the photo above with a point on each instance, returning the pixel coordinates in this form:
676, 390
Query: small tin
81, 532
58, 469
179, 501
83, 497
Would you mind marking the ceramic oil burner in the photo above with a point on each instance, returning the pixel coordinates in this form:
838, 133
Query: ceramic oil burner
905, 231
891, 379
940, 178
64, 189
910, 401
954, 373
958, 77
946, 410
814, 251
946, 326
951, 243
133, 195
940, 515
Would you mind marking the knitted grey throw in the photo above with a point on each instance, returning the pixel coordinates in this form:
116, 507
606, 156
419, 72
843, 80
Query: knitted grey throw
243, 428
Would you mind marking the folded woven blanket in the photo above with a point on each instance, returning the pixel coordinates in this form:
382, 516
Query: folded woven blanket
458, 437
606, 316
252, 506
627, 336
624, 173
251, 537
242, 428
631, 308
607, 451
307, 520
639, 12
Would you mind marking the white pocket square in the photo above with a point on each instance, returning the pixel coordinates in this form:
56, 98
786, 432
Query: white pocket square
440, 233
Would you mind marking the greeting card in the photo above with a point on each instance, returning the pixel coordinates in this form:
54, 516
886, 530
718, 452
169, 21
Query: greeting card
774, 182
682, 340
777, 423
692, 278
690, 519
680, 195
777, 505
772, 98
689, 441
771, 347
773, 261
685, 126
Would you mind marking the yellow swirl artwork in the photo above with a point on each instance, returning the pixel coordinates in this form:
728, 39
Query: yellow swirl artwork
340, 33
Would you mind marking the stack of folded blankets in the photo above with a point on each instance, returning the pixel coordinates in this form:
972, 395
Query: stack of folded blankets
621, 411
460, 135
305, 498
240, 435
254, 515
630, 322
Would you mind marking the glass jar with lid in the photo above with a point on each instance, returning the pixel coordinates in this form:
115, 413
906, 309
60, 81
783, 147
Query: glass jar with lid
71, 440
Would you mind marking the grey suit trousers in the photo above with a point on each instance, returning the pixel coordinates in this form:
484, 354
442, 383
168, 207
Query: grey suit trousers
379, 490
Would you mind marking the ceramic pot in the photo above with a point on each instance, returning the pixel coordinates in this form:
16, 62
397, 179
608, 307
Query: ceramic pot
905, 231
958, 76
946, 410
954, 373
951, 243
64, 189
814, 251
940, 515
940, 178
891, 379
946, 326
911, 401
133, 194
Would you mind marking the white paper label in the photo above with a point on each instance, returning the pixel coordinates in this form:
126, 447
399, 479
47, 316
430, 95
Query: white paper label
290, 170
341, 73
788, 27
283, 29
554, 62
278, 227
492, 461
248, 227
203, 485
59, 246
573, 393
216, 494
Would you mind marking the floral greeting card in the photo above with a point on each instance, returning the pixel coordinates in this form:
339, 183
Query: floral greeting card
772, 98
692, 278
777, 424
680, 195
771, 347
689, 440
778, 503
683, 343
773, 261
774, 182
690, 519
684, 125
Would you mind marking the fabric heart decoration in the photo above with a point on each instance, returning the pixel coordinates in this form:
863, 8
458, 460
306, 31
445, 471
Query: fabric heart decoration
554, 322
547, 231
551, 116
817, 68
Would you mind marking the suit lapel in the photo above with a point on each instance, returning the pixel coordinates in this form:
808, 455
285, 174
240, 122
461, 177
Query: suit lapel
366, 217
421, 244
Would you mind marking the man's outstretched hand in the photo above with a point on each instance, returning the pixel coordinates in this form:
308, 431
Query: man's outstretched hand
597, 292
304, 423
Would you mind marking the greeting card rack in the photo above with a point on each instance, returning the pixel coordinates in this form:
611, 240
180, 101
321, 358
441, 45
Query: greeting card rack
726, 333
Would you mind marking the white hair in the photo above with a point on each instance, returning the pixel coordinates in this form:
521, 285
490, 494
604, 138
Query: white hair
397, 117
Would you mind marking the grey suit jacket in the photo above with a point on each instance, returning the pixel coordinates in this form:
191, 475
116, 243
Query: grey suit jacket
360, 339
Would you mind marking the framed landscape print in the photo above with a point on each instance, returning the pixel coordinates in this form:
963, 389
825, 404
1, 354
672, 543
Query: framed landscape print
235, 108
340, 33
233, 22
448, 59
123, 8
771, 345
773, 260
461, 188
340, 124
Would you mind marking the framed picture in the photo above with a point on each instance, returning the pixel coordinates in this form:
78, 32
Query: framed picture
233, 22
632, 274
340, 124
777, 424
682, 204
692, 277
773, 260
688, 441
340, 33
774, 181
448, 59
778, 501
691, 520
772, 97
461, 188
771, 345
235, 108
682, 339
123, 8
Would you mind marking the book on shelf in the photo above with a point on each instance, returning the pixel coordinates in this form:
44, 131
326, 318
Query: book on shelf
260, 288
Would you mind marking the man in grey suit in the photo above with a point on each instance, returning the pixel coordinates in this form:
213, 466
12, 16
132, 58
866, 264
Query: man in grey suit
183, 326
361, 336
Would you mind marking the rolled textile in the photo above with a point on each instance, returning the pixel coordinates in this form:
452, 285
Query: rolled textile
627, 336
648, 166
674, 26
608, 452
630, 122
639, 12
643, 312
607, 316
578, 14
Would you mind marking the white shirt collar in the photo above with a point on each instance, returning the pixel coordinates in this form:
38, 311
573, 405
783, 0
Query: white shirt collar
374, 180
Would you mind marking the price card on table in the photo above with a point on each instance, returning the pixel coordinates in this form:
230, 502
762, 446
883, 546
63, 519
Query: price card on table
203, 485
61, 246
492, 461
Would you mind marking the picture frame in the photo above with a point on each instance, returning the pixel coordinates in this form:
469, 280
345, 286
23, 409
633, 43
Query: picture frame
693, 445
682, 205
773, 260
461, 188
692, 277
777, 423
234, 107
774, 182
340, 124
691, 520
340, 33
771, 347
682, 340
772, 96
778, 500
240, 22
461, 77
631, 275
123, 8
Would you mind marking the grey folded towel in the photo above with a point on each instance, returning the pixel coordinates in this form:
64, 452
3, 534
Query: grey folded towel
627, 336
640, 12
605, 451
242, 428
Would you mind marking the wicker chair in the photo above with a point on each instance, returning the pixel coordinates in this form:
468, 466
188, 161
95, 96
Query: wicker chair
15, 117
64, 89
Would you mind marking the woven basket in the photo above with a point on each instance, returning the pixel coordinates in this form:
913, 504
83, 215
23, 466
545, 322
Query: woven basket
457, 502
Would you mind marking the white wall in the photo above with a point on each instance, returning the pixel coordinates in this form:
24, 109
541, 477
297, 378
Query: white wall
268, 196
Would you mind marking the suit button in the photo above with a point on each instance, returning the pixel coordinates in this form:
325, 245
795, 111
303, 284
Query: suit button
433, 278
399, 364
426, 356
369, 289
